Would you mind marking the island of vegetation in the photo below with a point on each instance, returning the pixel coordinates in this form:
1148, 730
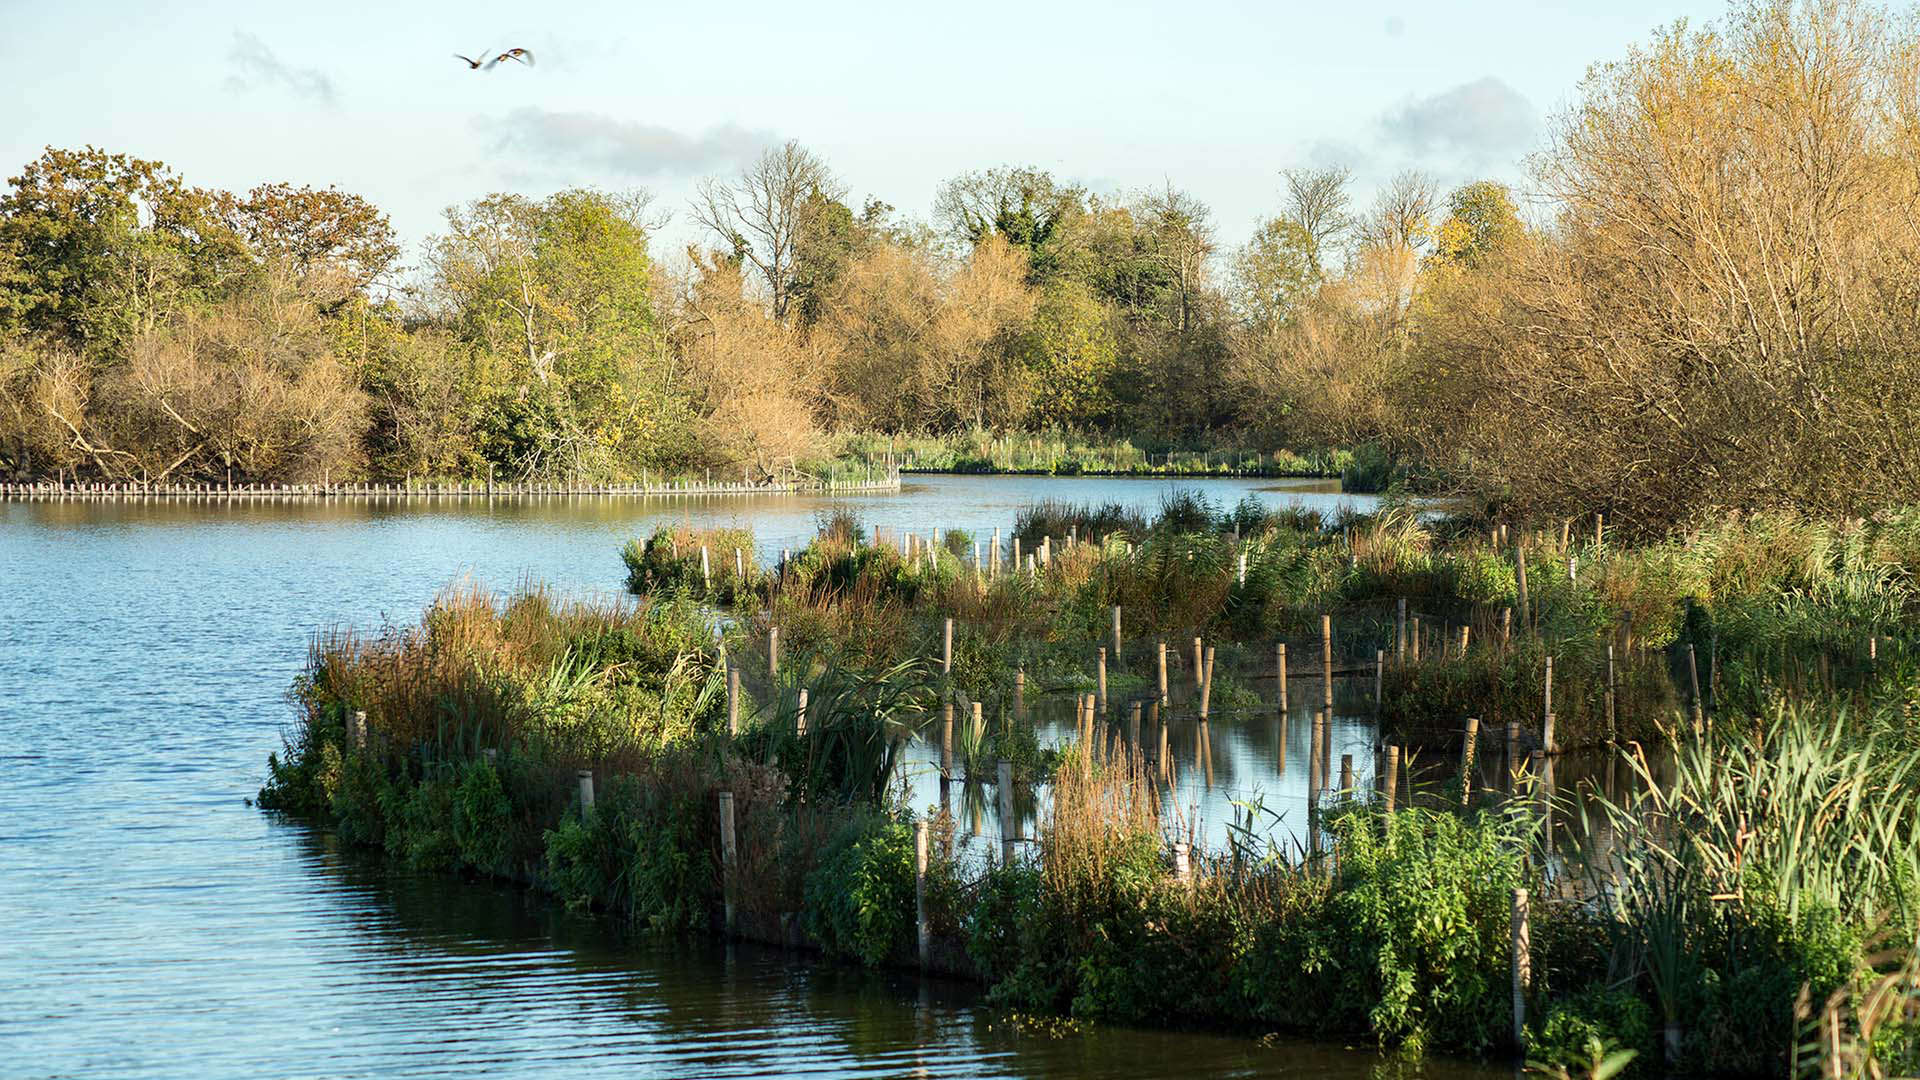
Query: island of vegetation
1664, 433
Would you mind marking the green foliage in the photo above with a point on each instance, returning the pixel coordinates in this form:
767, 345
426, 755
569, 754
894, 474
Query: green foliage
860, 896
1424, 913
1608, 1016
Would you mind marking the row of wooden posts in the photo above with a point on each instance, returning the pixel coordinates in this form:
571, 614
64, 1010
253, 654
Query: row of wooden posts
453, 489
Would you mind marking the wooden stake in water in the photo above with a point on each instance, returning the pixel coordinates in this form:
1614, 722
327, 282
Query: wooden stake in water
1161, 646
1468, 745
1206, 683
923, 926
996, 553
1379, 680
1198, 663
1346, 775
946, 739
946, 647
1133, 727
1392, 778
1326, 661
729, 854
1102, 679
1522, 968
1280, 669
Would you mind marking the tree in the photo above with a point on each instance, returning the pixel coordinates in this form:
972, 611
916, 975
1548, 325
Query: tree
1723, 314
314, 228
1317, 204
564, 287
1481, 221
763, 215
106, 245
1072, 357
1274, 273
1026, 207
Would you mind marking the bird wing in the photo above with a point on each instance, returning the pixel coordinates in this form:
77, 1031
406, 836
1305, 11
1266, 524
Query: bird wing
526, 54
468, 59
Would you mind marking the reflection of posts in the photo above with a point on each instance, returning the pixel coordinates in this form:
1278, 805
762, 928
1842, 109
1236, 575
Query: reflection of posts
729, 854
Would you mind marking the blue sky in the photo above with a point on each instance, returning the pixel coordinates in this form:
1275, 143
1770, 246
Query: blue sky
1215, 95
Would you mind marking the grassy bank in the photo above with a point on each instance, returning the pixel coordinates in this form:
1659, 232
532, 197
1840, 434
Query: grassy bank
1462, 619
1365, 468
1767, 864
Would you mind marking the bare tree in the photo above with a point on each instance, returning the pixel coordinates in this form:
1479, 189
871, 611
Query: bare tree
1179, 234
761, 214
1317, 202
1402, 218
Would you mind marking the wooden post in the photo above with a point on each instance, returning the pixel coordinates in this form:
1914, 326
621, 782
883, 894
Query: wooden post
1513, 751
1379, 680
995, 566
1198, 665
1103, 681
1326, 660
1162, 647
1546, 703
800, 714
1206, 683
739, 567
1393, 776
1693, 679
1160, 758
1413, 640
357, 729
1315, 779
1522, 968
1117, 655
729, 854
1520, 578
1009, 828
946, 739
979, 727
586, 790
1019, 694
733, 699
1346, 775
1468, 746
946, 647
706, 570
1016, 554
773, 652
924, 928
1280, 668
1400, 633
1133, 727
1182, 862
1613, 730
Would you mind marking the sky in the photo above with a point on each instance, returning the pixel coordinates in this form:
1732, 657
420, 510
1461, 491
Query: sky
1212, 96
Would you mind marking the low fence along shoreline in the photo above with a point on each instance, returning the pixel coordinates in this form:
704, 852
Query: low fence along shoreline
879, 481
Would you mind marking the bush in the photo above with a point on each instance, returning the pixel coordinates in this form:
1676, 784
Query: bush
860, 898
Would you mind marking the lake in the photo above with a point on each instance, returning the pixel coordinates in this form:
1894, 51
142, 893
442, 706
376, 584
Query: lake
155, 924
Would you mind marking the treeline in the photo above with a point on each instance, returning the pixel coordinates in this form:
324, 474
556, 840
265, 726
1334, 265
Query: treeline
1713, 306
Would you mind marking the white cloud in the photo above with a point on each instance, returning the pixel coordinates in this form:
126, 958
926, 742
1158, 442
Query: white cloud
1481, 121
252, 65
618, 147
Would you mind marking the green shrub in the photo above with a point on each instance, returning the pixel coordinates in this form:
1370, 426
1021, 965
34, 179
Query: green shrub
1613, 1016
860, 898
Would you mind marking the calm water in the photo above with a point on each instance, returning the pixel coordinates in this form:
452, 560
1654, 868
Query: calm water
153, 924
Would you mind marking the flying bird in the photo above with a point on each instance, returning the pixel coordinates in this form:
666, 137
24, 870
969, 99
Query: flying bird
472, 64
524, 56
